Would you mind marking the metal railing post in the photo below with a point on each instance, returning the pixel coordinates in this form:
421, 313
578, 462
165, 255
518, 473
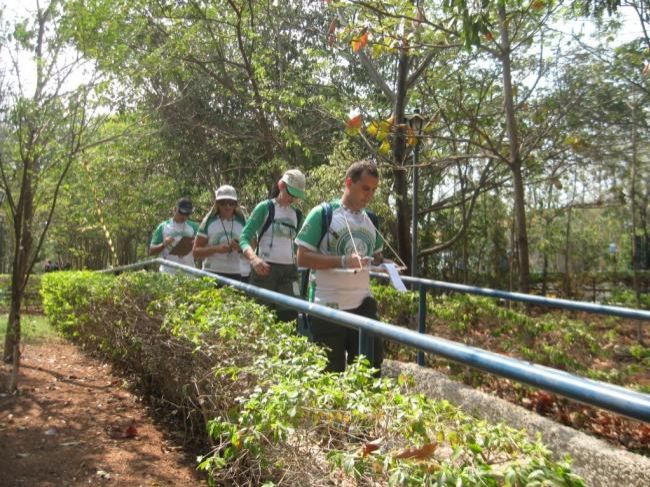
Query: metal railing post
422, 319
366, 345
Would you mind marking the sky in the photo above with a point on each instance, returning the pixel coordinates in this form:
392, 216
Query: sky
13, 10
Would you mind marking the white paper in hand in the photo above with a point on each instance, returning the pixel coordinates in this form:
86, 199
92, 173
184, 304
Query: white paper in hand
393, 274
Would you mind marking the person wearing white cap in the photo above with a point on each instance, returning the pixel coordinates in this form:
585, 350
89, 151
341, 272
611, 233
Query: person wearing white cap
273, 224
217, 240
170, 236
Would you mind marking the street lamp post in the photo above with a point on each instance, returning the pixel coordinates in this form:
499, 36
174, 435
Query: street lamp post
416, 123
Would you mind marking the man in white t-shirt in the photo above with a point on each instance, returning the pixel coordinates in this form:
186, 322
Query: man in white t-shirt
173, 232
339, 254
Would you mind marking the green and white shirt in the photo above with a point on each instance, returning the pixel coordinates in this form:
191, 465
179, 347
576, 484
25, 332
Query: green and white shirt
340, 288
171, 228
276, 245
219, 231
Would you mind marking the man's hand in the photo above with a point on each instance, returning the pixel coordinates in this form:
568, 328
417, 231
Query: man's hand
223, 248
355, 261
168, 241
260, 267
234, 246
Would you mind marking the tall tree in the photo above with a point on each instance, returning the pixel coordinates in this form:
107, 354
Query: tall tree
232, 82
44, 134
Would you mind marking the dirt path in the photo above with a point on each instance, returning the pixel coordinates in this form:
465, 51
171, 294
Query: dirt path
74, 423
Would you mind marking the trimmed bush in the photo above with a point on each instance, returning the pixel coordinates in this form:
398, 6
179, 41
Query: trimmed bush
272, 415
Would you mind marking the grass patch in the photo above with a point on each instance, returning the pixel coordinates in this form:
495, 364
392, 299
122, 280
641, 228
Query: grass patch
34, 328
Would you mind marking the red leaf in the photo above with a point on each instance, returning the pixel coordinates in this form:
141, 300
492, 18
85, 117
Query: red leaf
354, 122
120, 432
537, 4
360, 42
131, 431
371, 446
422, 453
331, 33
419, 17
363, 40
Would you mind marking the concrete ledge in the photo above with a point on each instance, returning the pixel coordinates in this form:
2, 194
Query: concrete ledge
598, 462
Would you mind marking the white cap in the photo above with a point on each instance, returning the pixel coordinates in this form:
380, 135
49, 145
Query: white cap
295, 181
225, 192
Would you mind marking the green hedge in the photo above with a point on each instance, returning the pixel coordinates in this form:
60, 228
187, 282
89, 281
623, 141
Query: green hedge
271, 414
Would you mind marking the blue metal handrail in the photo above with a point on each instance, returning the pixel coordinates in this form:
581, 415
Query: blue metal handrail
623, 401
424, 284
636, 314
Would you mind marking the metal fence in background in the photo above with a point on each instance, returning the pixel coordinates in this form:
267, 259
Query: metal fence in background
425, 284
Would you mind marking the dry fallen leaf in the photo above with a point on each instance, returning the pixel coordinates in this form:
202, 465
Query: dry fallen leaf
421, 453
121, 432
371, 446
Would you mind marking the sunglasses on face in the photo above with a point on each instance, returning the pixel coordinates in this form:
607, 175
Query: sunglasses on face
228, 203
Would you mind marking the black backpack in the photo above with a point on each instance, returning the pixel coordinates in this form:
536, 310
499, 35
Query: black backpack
270, 206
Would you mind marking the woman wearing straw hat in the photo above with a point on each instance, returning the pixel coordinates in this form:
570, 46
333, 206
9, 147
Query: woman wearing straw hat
217, 240
274, 224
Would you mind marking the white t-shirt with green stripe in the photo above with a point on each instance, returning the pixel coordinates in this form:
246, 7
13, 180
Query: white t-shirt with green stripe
219, 231
276, 245
336, 287
176, 230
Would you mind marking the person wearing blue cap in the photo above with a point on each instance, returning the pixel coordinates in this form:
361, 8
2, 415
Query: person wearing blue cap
172, 239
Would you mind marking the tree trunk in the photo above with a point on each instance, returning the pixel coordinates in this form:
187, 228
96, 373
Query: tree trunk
521, 231
635, 250
399, 152
19, 276
545, 274
465, 240
515, 162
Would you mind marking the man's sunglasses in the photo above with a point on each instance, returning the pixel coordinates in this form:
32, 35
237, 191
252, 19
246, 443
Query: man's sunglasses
227, 203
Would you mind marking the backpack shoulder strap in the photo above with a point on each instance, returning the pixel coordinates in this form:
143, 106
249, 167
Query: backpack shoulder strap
299, 218
325, 221
373, 218
270, 207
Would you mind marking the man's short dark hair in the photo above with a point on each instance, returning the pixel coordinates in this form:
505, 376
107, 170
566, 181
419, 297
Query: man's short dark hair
356, 170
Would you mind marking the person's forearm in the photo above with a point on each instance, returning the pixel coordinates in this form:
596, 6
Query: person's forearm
316, 260
156, 249
249, 253
201, 250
